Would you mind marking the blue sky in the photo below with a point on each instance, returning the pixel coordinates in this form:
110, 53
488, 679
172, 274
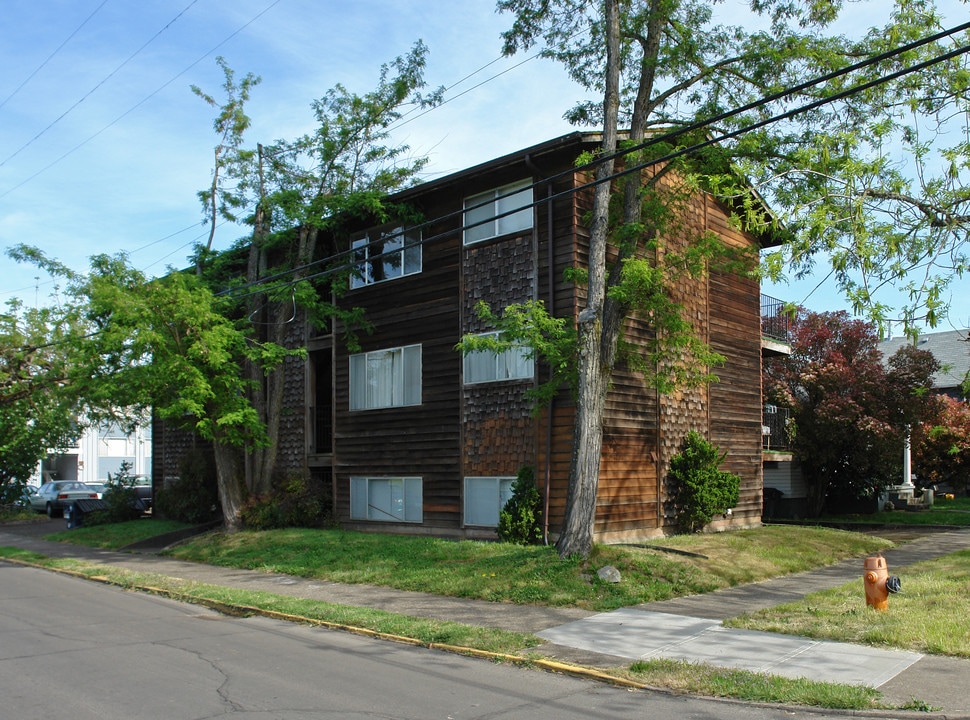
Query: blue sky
103, 146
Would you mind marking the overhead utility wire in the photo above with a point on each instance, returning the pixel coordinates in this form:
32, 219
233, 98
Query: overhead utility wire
93, 90
49, 57
142, 101
849, 91
658, 139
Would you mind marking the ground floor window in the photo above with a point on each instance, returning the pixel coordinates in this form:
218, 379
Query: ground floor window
387, 499
484, 499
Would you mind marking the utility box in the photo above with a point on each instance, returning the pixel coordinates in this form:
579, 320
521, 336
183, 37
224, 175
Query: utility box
78, 509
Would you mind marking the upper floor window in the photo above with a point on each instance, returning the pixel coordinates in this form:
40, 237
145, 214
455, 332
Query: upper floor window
488, 366
517, 196
385, 254
385, 378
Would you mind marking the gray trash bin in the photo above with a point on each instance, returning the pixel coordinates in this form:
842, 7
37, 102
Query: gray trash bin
79, 508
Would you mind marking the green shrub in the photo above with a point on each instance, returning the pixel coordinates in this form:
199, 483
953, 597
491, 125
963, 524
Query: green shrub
294, 501
701, 489
121, 498
194, 497
518, 522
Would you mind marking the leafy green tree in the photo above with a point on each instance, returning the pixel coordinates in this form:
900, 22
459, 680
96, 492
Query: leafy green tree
230, 125
204, 350
38, 413
164, 345
295, 192
850, 412
674, 74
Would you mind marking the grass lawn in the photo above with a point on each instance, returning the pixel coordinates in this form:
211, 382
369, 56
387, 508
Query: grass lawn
928, 616
533, 575
117, 535
954, 512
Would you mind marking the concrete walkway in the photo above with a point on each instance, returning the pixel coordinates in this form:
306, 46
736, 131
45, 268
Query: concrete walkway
685, 628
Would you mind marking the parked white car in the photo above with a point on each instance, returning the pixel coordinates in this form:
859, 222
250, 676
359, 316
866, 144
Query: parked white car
54, 497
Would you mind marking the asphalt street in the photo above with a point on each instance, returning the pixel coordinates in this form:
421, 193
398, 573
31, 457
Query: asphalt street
80, 650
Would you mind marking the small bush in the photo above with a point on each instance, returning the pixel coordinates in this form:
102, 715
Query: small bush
702, 490
121, 498
518, 522
294, 501
194, 497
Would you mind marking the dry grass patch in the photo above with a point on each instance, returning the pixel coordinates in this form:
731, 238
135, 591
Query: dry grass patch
752, 687
929, 616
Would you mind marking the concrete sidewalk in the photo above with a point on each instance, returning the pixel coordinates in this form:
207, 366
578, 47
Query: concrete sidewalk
685, 628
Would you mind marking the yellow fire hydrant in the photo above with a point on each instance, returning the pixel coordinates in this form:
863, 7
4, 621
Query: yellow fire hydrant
879, 583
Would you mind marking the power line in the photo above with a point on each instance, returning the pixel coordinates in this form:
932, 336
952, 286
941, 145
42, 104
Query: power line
49, 57
90, 92
140, 102
665, 137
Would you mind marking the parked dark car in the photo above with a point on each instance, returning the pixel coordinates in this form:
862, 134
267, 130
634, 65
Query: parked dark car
53, 497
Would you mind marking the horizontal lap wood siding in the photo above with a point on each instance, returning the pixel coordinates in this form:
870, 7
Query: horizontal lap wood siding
418, 441
736, 404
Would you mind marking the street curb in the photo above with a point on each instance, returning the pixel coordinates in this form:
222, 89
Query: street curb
556, 666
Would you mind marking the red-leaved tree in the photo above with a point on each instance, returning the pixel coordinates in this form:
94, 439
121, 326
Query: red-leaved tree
941, 446
849, 411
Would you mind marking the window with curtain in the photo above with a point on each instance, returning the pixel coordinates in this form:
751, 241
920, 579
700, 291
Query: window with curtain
385, 378
488, 366
484, 499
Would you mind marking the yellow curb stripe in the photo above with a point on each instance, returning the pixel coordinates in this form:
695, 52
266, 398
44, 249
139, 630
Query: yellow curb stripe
242, 610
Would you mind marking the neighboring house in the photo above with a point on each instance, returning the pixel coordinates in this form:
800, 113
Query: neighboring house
415, 438
785, 493
785, 490
100, 451
950, 348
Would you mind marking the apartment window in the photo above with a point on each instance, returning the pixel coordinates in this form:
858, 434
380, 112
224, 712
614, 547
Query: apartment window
386, 499
386, 378
495, 204
489, 366
385, 254
484, 499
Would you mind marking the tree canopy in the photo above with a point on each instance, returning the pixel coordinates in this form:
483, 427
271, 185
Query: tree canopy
852, 158
37, 413
204, 349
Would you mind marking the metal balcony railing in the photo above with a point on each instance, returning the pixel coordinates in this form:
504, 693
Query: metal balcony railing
775, 322
774, 428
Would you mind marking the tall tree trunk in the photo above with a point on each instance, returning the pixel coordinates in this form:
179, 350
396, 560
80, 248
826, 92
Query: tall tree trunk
282, 319
576, 536
229, 480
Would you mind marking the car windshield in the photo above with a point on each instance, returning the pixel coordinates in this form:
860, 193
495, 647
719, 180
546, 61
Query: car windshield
69, 486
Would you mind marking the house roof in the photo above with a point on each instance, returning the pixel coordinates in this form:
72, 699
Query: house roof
951, 349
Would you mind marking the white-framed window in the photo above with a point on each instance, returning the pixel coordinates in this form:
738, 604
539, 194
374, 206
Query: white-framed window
481, 366
386, 499
484, 499
385, 254
492, 203
385, 378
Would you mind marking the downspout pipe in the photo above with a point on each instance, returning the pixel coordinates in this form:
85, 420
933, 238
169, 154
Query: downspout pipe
550, 280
